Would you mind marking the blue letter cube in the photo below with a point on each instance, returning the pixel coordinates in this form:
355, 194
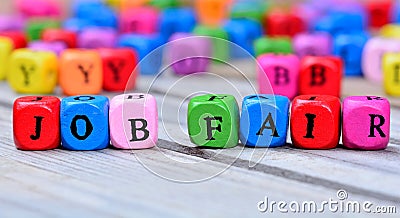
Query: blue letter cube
84, 123
145, 45
349, 46
175, 20
264, 121
340, 22
243, 32
96, 12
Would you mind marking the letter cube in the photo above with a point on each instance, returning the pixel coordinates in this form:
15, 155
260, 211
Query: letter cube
84, 123
128, 4
36, 123
211, 12
341, 22
81, 72
33, 72
213, 121
36, 27
66, 36
253, 10
144, 45
366, 122
185, 53
391, 73
350, 47
264, 121
118, 68
38, 8
276, 45
134, 121
57, 47
242, 32
315, 121
93, 37
174, 20
11, 23
96, 13
372, 55
279, 23
320, 76
18, 38
164, 4
390, 31
6, 47
312, 44
220, 45
141, 20
279, 71
379, 12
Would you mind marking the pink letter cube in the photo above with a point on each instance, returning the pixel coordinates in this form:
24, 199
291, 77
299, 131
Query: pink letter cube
133, 121
281, 71
142, 20
366, 122
312, 44
39, 8
372, 56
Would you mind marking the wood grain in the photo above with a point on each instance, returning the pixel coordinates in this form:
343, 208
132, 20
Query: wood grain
125, 183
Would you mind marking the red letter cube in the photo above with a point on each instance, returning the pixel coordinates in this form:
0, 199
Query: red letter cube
321, 76
379, 12
36, 123
315, 121
118, 68
279, 23
18, 38
66, 36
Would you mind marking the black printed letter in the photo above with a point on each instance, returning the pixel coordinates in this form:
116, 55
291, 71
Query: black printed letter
377, 127
134, 130
210, 128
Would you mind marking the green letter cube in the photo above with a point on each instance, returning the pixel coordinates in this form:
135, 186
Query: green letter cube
279, 45
220, 45
213, 121
35, 27
163, 4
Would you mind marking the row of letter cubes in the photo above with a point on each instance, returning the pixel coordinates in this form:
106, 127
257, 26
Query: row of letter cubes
77, 71
85, 122
131, 121
287, 75
212, 12
315, 121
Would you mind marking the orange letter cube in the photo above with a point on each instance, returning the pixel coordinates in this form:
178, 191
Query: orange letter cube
81, 72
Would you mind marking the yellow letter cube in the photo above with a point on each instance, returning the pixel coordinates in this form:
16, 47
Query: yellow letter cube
6, 47
391, 73
390, 31
33, 72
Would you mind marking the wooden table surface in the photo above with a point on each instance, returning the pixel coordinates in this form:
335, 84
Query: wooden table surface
176, 179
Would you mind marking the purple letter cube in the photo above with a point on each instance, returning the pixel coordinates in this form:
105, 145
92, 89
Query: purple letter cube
188, 54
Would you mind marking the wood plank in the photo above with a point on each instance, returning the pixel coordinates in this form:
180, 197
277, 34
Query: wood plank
318, 172
85, 180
